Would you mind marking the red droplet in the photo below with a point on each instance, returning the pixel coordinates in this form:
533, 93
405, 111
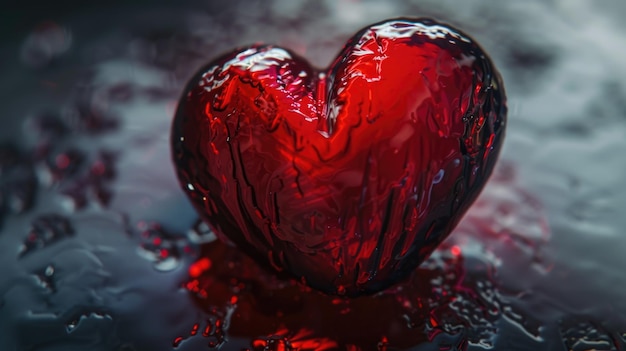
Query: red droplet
199, 267
177, 341
351, 176
194, 329
455, 250
207, 330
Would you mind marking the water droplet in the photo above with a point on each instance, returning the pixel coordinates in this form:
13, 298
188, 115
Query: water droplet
81, 178
63, 165
162, 247
586, 335
45, 230
46, 279
201, 233
92, 318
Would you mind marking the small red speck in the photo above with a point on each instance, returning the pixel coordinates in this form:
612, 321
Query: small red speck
258, 213
194, 329
233, 300
177, 341
199, 267
156, 241
259, 344
193, 285
456, 250
164, 253
62, 161
207, 330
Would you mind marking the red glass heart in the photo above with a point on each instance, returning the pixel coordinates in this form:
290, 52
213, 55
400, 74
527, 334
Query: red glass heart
347, 178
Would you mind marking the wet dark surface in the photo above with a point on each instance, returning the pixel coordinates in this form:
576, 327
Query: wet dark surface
101, 250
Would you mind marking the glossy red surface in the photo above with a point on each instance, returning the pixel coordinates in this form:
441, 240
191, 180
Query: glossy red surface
346, 178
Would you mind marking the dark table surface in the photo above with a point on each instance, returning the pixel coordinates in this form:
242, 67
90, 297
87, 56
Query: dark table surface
101, 250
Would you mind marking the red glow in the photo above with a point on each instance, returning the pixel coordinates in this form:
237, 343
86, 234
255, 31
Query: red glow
382, 345
349, 176
177, 341
455, 250
193, 285
199, 267
194, 329
302, 340
433, 322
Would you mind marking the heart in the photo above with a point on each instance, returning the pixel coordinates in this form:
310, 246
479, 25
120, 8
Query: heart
346, 178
